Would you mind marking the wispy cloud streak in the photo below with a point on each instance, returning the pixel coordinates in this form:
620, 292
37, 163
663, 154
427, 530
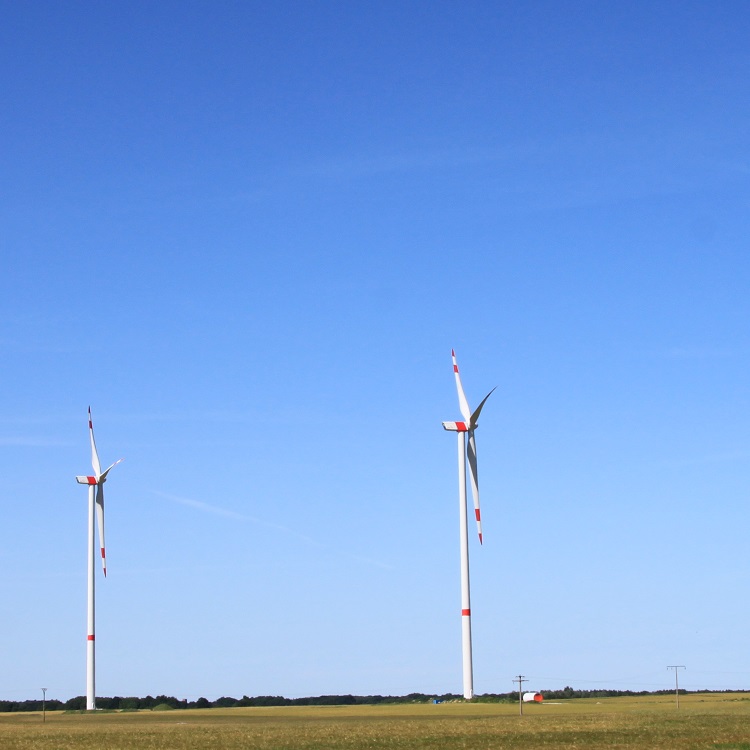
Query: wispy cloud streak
226, 513
234, 516
733, 456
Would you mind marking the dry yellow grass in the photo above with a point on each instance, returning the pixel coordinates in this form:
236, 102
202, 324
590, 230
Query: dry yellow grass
721, 722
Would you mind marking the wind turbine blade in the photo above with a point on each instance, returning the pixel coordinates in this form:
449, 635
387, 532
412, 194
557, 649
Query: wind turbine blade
100, 521
472, 455
103, 475
94, 454
463, 404
475, 416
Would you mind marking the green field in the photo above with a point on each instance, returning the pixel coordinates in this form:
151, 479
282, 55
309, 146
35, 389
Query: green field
717, 721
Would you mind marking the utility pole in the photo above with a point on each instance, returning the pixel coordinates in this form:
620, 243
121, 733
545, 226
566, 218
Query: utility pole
520, 679
676, 668
44, 705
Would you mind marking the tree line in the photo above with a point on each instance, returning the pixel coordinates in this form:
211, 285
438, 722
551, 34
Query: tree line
170, 702
118, 703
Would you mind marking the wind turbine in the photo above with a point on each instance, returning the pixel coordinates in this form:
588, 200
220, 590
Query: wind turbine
96, 500
464, 428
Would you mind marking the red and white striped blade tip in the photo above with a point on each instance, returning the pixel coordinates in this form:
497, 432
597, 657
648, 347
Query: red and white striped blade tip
463, 404
94, 453
473, 475
100, 523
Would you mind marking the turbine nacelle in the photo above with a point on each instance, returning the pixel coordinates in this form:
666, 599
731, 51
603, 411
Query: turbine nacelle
450, 426
102, 478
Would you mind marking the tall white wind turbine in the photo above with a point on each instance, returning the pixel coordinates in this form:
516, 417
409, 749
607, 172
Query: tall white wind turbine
96, 501
463, 429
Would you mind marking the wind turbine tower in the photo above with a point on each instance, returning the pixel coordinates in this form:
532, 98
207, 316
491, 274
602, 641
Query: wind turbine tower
466, 429
96, 506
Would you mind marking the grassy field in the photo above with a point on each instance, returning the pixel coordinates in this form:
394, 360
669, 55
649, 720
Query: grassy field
720, 722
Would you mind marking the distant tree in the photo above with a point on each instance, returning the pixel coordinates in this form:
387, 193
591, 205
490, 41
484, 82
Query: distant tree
167, 700
334, 700
371, 700
225, 702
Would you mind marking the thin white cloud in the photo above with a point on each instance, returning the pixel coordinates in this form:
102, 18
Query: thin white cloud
234, 516
226, 513
371, 561
367, 165
734, 456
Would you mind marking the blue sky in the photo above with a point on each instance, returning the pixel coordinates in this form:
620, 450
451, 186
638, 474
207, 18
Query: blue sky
249, 234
